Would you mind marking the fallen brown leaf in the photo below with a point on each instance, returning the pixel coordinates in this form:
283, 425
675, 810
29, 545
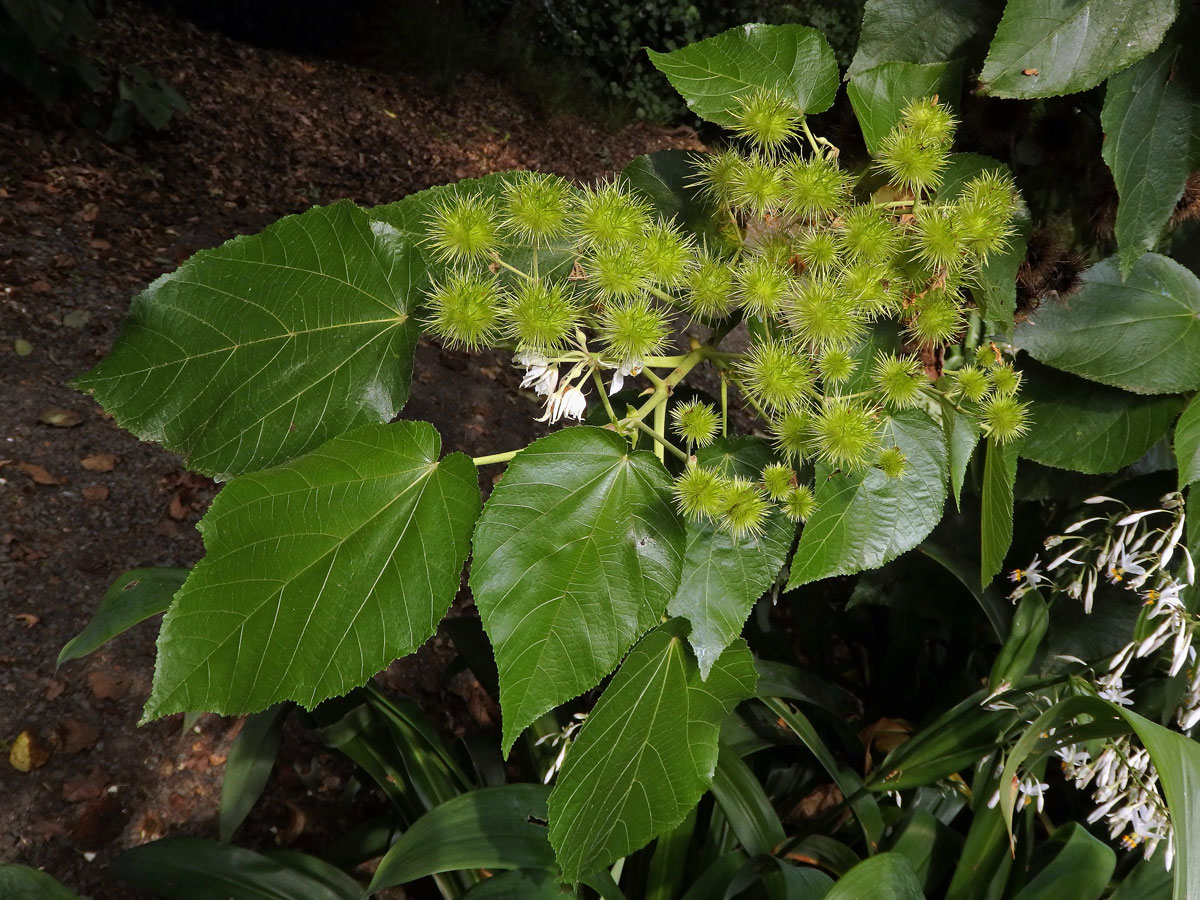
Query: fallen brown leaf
54, 689
176, 509
95, 493
40, 287
37, 473
85, 787
107, 686
100, 462
77, 736
28, 618
60, 417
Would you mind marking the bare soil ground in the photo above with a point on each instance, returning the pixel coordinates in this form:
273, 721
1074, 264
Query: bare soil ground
83, 226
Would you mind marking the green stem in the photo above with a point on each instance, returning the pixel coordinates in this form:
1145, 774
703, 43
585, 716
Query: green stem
724, 405
495, 458
812, 138
511, 268
660, 429
612, 416
660, 442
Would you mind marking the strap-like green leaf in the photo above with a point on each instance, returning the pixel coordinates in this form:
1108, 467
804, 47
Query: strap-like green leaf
23, 883
1148, 119
576, 555
318, 574
248, 766
269, 345
1187, 443
1086, 427
714, 75
1079, 868
490, 828
723, 577
922, 31
1141, 333
134, 597
879, 95
646, 753
865, 520
1044, 48
887, 876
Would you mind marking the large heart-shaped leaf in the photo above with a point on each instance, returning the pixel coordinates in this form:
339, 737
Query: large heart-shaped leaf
716, 74
1086, 427
1044, 48
722, 576
1147, 118
269, 345
922, 31
647, 751
879, 95
867, 519
318, 573
576, 555
1141, 333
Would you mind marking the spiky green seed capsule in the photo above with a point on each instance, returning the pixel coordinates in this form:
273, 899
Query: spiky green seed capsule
823, 318
775, 375
992, 190
743, 509
617, 271
938, 320
698, 492
1006, 380
606, 215
898, 379
762, 286
539, 317
535, 207
818, 249
778, 480
767, 120
932, 122
911, 163
799, 504
1005, 418
791, 434
816, 188
464, 310
718, 174
836, 367
893, 462
971, 383
845, 433
983, 230
937, 236
633, 329
870, 289
759, 186
463, 229
869, 234
666, 254
709, 289
696, 422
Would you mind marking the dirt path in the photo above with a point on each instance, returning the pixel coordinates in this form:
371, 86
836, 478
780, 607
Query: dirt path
84, 226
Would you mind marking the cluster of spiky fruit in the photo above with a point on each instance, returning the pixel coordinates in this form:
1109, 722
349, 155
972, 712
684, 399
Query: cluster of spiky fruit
810, 256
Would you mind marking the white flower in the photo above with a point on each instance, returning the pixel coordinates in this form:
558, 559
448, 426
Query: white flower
543, 379
574, 404
629, 367
1032, 789
1111, 690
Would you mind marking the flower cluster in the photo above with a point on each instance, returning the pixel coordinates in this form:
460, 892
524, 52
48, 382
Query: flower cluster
584, 286
1140, 551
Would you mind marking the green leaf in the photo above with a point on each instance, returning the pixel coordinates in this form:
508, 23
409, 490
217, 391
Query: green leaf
135, 596
996, 290
1044, 48
745, 804
23, 883
886, 876
715, 74
250, 354
996, 513
1147, 121
879, 94
996, 608
520, 884
1141, 334
922, 31
490, 828
1187, 443
647, 752
318, 573
865, 520
1021, 646
931, 847
577, 554
197, 869
667, 180
1079, 866
248, 766
1086, 427
962, 436
723, 577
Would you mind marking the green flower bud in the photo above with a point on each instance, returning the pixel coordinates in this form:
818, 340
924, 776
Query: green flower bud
836, 366
696, 422
846, 433
893, 462
743, 508
766, 119
699, 492
606, 215
633, 329
800, 503
709, 285
464, 310
778, 480
463, 229
1005, 418
775, 375
898, 380
539, 317
816, 188
762, 286
535, 207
